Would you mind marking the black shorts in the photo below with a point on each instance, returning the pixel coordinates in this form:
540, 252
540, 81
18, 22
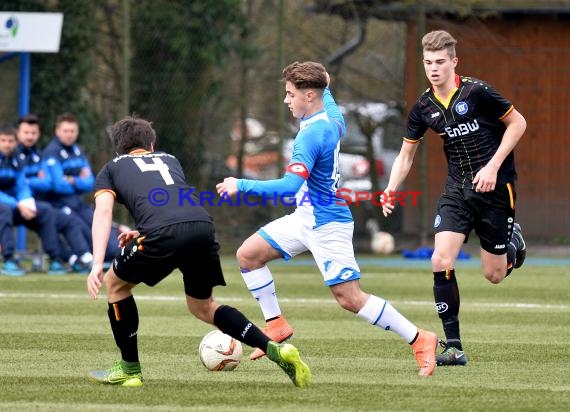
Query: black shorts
491, 214
188, 246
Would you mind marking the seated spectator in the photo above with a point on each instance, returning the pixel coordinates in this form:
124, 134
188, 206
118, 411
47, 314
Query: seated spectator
72, 178
76, 249
18, 207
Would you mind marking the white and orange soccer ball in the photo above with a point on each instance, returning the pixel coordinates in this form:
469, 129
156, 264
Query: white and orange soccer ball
220, 352
382, 243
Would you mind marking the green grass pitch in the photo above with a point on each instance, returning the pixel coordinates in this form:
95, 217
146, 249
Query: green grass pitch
516, 335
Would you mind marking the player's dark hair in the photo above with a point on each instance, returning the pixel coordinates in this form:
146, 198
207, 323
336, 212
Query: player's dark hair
132, 133
306, 75
65, 117
8, 130
439, 40
29, 118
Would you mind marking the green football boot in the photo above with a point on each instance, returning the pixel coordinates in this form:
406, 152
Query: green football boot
287, 357
122, 373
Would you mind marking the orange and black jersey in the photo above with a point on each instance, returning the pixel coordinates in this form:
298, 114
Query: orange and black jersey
153, 188
471, 126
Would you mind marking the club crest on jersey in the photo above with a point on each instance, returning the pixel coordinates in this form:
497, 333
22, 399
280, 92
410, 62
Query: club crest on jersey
461, 107
298, 169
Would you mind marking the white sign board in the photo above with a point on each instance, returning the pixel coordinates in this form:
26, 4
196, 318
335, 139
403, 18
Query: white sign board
30, 32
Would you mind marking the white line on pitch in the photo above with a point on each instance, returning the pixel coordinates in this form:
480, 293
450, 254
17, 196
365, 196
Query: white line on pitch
316, 301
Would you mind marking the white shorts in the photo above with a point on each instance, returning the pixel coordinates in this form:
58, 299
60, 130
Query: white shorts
330, 245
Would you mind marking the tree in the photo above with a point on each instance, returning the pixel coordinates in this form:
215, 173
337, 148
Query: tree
177, 45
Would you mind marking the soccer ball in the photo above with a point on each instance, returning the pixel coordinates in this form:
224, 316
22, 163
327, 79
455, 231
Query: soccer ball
382, 243
220, 352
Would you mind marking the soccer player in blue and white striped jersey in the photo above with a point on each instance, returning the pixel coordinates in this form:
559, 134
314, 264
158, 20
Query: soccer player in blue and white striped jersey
321, 223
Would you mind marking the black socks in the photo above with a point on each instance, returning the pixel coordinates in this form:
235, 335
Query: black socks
447, 302
232, 322
124, 319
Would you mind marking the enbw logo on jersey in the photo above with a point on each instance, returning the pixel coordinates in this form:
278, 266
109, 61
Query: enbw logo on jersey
461, 108
462, 129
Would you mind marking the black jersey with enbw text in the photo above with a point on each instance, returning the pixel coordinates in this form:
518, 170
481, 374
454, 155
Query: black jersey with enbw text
470, 125
153, 188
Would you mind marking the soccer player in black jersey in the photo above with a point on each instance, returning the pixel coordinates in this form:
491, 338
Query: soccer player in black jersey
480, 129
172, 232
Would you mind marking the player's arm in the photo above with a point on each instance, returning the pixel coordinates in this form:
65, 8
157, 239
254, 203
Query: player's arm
486, 178
403, 162
288, 184
400, 169
21, 187
60, 184
102, 222
26, 203
23, 205
333, 111
305, 150
23, 201
100, 231
6, 199
41, 182
85, 181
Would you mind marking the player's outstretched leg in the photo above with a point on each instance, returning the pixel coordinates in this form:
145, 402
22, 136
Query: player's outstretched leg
451, 356
122, 373
424, 349
288, 358
278, 330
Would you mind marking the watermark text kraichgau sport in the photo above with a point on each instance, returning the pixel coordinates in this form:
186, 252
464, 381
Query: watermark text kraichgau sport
344, 197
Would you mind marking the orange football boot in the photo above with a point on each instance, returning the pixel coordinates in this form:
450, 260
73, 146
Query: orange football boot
278, 330
424, 348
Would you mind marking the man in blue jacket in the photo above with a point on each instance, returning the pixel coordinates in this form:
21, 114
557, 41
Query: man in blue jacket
72, 178
18, 207
76, 250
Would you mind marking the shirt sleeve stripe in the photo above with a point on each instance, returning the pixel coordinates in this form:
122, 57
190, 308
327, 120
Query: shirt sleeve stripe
98, 192
507, 113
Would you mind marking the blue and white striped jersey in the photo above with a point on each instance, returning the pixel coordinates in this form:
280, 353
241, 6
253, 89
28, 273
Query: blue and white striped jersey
313, 171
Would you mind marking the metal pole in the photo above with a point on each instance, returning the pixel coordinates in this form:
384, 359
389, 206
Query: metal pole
24, 98
23, 109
